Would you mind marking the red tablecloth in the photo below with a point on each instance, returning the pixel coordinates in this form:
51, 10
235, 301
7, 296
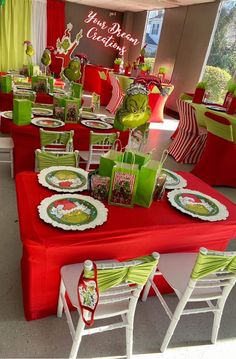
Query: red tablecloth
26, 141
126, 234
6, 100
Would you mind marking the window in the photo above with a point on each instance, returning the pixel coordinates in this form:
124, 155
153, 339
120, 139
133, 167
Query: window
221, 65
152, 34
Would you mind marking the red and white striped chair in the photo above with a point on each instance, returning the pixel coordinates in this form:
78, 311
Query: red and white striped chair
190, 139
117, 94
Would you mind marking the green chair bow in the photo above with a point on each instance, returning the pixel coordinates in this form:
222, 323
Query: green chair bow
56, 138
46, 159
137, 274
211, 262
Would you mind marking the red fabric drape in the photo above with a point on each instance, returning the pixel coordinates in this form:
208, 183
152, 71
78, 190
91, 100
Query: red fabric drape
55, 29
55, 21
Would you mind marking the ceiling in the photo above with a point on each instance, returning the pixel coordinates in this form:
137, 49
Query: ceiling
138, 5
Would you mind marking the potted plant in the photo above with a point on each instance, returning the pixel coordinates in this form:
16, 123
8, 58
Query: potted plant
117, 63
199, 92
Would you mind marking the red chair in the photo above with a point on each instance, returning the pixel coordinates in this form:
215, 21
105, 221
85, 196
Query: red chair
218, 161
190, 139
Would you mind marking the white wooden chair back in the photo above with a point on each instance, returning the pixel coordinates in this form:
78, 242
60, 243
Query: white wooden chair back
214, 286
118, 300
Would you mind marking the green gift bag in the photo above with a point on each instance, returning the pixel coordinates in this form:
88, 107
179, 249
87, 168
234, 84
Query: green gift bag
77, 90
39, 84
108, 161
123, 184
140, 158
148, 176
6, 84
21, 112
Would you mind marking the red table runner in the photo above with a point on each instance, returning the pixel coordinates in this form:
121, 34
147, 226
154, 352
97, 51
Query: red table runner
128, 233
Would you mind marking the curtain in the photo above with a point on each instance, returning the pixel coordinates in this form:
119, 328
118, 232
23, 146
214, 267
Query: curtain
15, 28
55, 21
39, 28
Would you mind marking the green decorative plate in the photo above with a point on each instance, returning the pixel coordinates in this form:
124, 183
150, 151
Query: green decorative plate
47, 122
64, 179
72, 212
40, 111
173, 180
88, 115
99, 125
23, 86
198, 205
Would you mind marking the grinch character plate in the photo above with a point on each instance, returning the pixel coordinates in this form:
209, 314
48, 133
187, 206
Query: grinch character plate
64, 178
47, 122
88, 115
72, 211
40, 111
198, 205
99, 125
173, 180
9, 114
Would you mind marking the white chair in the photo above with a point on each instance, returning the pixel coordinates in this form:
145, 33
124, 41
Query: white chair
204, 277
99, 143
45, 159
117, 298
56, 140
6, 147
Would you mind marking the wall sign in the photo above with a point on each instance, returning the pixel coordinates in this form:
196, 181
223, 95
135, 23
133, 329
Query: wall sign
107, 34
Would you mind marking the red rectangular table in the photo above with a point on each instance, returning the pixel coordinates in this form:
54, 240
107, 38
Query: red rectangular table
26, 141
128, 233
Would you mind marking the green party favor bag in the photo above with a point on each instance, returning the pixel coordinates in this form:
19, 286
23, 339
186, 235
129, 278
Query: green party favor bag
109, 159
148, 175
123, 184
140, 158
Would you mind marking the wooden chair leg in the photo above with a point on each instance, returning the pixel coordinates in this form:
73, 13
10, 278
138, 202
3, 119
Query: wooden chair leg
77, 339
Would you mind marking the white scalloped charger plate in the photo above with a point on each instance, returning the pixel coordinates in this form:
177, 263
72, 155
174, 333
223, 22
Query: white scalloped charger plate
40, 111
9, 115
99, 125
47, 122
72, 212
64, 179
173, 180
197, 204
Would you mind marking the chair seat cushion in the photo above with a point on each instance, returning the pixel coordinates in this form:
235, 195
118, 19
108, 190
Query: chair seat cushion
177, 268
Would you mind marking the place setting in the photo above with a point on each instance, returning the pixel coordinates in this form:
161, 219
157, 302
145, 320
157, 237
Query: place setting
69, 211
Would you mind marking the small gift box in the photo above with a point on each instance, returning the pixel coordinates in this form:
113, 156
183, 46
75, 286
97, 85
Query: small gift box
160, 188
100, 187
71, 111
59, 113
21, 112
